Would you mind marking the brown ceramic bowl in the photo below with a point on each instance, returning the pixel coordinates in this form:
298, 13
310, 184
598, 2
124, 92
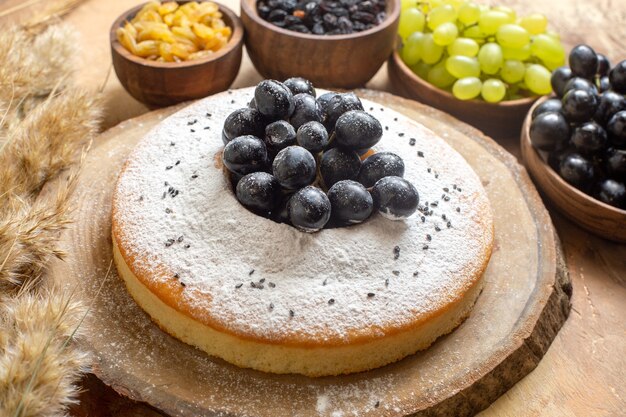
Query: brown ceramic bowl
160, 84
593, 215
344, 61
504, 118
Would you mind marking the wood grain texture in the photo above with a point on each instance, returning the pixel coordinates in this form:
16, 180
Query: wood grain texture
597, 217
492, 118
526, 284
582, 374
344, 61
159, 84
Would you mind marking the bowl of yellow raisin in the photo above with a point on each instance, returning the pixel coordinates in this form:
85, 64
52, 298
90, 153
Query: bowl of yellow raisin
170, 52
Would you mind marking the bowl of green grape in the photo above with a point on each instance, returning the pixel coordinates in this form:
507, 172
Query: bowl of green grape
482, 64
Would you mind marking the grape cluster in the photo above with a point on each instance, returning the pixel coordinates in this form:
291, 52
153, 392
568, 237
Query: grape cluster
584, 128
288, 147
479, 51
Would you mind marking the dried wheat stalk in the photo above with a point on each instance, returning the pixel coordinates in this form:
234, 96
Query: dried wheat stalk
38, 366
46, 142
40, 147
41, 13
32, 67
44, 128
28, 237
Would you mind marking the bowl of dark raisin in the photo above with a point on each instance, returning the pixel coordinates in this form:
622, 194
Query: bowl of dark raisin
333, 43
574, 143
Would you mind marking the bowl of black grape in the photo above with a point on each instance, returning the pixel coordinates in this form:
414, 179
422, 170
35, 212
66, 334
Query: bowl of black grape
574, 143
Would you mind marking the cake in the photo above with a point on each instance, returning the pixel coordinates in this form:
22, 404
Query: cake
264, 295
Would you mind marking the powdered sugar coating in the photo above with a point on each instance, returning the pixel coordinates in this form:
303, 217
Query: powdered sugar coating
257, 278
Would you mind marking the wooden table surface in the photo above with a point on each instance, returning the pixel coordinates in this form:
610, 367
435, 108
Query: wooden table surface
584, 371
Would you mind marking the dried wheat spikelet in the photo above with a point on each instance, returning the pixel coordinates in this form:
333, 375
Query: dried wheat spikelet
29, 234
47, 141
33, 66
38, 365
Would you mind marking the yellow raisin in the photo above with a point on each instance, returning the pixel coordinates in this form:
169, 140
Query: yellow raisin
186, 32
126, 40
165, 50
202, 31
128, 27
209, 7
147, 48
181, 19
183, 40
226, 32
200, 54
152, 6
168, 19
154, 33
217, 23
167, 8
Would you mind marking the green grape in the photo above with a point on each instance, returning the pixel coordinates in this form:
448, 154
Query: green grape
512, 36
521, 54
510, 12
439, 76
421, 69
467, 88
490, 58
493, 90
468, 13
435, 3
431, 52
474, 32
405, 4
490, 21
537, 79
512, 71
441, 14
463, 66
547, 49
445, 34
411, 20
535, 23
455, 3
552, 65
463, 46
411, 50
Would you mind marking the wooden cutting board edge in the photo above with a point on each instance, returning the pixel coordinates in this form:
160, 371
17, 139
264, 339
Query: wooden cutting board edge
534, 339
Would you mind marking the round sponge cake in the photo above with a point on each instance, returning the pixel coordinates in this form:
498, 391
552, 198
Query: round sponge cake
266, 296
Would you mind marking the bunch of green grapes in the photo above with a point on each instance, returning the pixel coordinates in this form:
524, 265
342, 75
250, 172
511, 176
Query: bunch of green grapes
475, 50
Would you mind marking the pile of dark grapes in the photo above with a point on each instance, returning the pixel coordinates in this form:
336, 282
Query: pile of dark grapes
584, 128
323, 17
296, 159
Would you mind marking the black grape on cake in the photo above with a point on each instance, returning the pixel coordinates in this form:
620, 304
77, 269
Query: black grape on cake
300, 159
583, 129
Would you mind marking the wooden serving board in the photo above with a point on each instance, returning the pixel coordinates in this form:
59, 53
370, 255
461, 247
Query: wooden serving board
525, 301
